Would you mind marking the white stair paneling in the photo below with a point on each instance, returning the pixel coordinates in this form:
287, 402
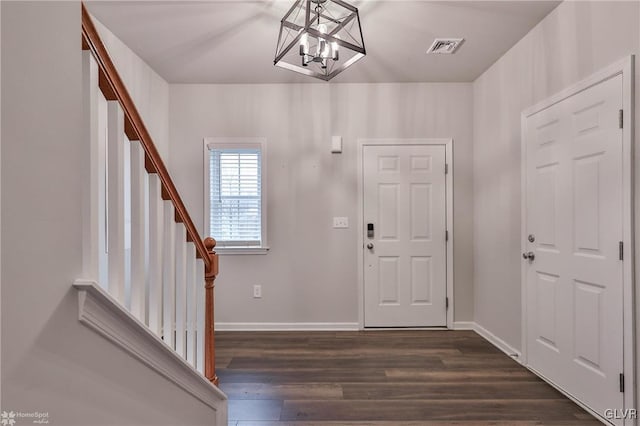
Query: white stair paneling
101, 313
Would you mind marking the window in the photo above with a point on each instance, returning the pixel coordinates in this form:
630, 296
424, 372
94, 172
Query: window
235, 202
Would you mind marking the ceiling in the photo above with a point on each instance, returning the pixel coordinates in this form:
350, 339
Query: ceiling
234, 41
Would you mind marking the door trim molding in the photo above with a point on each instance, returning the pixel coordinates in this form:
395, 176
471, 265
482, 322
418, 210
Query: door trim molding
624, 67
448, 145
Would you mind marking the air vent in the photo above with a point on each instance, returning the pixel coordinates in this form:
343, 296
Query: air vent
445, 46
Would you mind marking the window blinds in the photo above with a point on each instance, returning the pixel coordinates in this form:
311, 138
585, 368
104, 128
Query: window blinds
236, 196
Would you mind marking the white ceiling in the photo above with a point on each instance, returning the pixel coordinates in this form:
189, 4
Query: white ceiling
234, 41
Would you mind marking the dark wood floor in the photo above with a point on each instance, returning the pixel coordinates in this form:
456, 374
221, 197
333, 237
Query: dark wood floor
382, 378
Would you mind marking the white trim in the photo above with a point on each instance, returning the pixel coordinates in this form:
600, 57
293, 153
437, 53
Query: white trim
523, 238
463, 325
287, 326
497, 342
225, 251
511, 351
628, 226
448, 144
571, 397
104, 315
237, 142
625, 67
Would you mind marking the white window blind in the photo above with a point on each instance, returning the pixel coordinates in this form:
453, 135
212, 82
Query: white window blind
236, 196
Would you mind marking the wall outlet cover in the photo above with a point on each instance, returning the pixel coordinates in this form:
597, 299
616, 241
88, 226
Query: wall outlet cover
257, 291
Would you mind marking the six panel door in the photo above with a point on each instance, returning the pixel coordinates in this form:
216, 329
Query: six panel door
574, 212
405, 266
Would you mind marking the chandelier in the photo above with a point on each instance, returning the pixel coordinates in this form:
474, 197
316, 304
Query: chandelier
320, 38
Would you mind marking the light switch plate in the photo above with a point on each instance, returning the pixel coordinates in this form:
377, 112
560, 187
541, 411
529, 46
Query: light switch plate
340, 222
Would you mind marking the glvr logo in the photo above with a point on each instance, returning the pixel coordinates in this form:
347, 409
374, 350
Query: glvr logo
621, 414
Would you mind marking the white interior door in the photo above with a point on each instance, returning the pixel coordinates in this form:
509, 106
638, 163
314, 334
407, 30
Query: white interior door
405, 251
574, 283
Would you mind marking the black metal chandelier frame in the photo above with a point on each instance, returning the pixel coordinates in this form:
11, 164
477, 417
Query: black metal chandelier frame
338, 34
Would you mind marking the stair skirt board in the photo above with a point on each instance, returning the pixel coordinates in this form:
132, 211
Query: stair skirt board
100, 312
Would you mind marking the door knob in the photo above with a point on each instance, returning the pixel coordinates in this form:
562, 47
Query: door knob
528, 256
370, 246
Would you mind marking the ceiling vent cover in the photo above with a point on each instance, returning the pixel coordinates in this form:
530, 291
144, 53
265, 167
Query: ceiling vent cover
445, 46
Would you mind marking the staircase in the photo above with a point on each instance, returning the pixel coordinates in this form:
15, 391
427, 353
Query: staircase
148, 277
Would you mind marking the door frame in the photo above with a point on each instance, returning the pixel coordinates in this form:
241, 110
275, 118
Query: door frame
624, 67
448, 145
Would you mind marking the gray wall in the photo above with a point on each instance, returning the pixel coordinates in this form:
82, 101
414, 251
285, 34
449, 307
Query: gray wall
0, 200
49, 361
149, 91
310, 274
574, 41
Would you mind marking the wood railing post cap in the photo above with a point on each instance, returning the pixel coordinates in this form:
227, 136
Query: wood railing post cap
209, 243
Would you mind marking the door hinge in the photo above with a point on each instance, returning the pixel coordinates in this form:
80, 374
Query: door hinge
622, 382
446, 303
446, 235
446, 168
620, 119
621, 250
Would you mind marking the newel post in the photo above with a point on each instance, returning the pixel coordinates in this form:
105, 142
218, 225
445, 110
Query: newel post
209, 327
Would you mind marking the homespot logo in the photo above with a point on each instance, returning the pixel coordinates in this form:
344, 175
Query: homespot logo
621, 414
12, 418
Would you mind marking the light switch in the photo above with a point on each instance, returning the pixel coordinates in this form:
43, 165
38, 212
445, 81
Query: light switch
340, 222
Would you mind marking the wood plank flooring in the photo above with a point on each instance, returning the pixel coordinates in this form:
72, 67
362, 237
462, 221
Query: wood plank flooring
382, 378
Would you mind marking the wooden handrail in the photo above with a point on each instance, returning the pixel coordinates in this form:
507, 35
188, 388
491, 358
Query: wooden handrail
113, 88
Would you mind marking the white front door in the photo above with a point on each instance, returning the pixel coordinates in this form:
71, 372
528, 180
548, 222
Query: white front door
404, 240
574, 216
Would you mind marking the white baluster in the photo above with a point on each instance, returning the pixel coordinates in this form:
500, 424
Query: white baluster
200, 307
91, 116
181, 288
116, 200
127, 223
191, 303
94, 192
156, 242
139, 231
168, 275
103, 200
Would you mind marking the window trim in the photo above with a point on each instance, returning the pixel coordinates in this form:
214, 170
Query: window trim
237, 143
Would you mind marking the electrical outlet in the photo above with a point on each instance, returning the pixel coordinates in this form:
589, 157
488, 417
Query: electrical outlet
257, 291
340, 222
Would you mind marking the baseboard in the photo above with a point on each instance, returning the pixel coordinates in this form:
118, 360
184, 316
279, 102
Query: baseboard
463, 325
497, 342
287, 326
571, 397
516, 355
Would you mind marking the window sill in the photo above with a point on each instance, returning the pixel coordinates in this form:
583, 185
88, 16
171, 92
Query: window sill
223, 251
